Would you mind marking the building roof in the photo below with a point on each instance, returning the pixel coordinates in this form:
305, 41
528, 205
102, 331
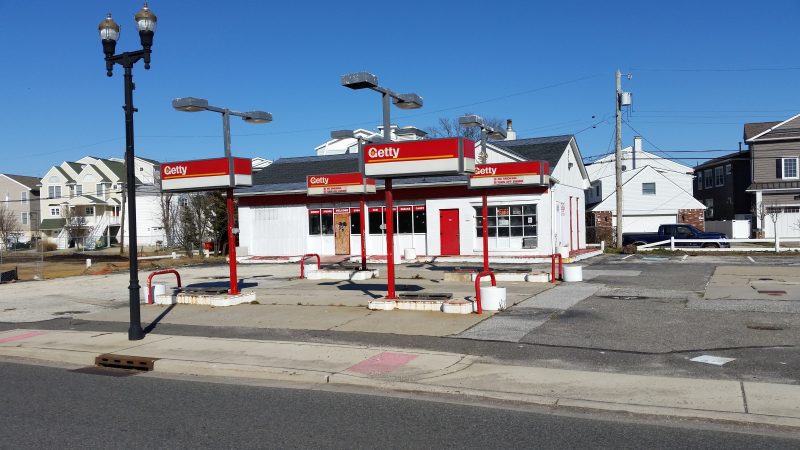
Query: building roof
64, 172
547, 149
745, 154
77, 167
754, 129
30, 182
295, 170
52, 224
774, 185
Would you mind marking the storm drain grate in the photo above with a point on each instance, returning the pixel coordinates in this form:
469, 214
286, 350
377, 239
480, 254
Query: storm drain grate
205, 290
142, 363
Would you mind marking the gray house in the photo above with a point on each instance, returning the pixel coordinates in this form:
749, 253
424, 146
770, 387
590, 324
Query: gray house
775, 164
20, 195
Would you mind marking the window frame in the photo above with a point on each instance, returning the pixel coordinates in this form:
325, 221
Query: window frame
796, 160
708, 179
646, 192
719, 176
23, 197
57, 211
23, 217
699, 177
516, 222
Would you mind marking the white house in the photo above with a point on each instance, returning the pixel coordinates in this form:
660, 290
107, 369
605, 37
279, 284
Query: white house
81, 202
434, 215
656, 191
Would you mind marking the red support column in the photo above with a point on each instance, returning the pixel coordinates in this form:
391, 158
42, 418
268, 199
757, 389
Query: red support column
362, 225
391, 295
578, 222
232, 245
485, 214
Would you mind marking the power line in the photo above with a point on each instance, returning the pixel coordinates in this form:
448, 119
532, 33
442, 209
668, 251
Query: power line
747, 69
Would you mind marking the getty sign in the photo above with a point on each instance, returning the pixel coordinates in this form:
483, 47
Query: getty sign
202, 174
449, 156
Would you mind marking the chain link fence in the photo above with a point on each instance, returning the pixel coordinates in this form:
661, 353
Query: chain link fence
28, 263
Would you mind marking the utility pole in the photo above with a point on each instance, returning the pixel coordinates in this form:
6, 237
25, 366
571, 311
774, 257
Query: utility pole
618, 156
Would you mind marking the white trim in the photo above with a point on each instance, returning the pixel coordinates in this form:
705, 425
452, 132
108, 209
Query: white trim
776, 126
796, 167
772, 189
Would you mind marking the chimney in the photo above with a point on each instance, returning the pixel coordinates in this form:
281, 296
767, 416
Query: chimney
637, 147
511, 135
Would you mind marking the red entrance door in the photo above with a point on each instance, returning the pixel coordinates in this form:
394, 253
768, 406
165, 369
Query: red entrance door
448, 232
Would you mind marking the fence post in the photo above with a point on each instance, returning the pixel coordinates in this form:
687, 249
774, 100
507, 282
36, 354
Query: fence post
602, 246
672, 243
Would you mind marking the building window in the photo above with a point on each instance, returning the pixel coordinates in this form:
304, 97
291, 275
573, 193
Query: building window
355, 221
53, 191
648, 189
597, 190
420, 220
792, 209
789, 167
24, 218
708, 179
23, 197
313, 222
183, 201
78, 189
507, 221
327, 221
55, 212
102, 190
728, 169
407, 220
90, 210
719, 176
699, 176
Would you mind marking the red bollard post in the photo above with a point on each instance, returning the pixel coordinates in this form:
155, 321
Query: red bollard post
302, 263
478, 307
150, 281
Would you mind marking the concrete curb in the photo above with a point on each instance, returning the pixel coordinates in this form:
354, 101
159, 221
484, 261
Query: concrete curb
437, 373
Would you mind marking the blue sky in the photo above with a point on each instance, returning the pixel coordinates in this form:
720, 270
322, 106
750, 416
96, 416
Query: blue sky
700, 70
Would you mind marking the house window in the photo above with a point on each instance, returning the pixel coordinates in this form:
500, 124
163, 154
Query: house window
183, 201
792, 209
508, 221
101, 191
55, 212
597, 190
728, 169
90, 210
708, 179
719, 176
648, 189
699, 176
78, 189
23, 197
24, 217
54, 192
789, 167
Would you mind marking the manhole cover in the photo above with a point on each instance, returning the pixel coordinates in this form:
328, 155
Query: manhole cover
624, 297
766, 326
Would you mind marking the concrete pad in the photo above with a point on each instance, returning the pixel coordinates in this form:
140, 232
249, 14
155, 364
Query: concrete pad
715, 395
421, 323
562, 297
773, 399
589, 274
509, 326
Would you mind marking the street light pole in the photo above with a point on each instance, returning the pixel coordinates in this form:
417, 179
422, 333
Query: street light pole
109, 33
193, 104
366, 80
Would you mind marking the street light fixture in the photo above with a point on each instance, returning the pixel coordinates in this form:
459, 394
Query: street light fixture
109, 34
471, 121
194, 104
366, 80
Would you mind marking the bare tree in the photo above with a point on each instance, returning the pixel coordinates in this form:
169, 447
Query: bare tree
170, 217
774, 212
73, 224
451, 128
9, 225
760, 210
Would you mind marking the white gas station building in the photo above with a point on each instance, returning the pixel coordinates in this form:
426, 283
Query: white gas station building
434, 215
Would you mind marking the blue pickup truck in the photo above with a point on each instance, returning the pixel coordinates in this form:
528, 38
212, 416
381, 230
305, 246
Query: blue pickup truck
679, 231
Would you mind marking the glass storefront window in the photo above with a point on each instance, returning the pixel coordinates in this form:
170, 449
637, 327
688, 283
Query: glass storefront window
508, 221
327, 221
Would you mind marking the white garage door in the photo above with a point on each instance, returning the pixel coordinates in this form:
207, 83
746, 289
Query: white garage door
646, 224
788, 224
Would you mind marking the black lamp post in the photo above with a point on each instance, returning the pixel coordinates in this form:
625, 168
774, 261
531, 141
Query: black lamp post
109, 33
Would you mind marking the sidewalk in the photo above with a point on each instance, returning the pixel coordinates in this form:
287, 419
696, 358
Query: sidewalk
423, 371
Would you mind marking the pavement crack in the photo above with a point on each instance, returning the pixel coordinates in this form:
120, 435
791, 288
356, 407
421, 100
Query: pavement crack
744, 398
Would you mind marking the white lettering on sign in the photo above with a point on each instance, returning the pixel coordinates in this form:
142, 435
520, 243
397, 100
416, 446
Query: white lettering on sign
485, 170
319, 180
175, 170
388, 152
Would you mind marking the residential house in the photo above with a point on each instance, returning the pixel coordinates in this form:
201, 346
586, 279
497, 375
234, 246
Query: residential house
83, 201
720, 184
435, 215
775, 165
656, 191
20, 195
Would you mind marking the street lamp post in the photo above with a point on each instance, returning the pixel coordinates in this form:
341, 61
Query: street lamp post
486, 132
109, 33
366, 80
193, 104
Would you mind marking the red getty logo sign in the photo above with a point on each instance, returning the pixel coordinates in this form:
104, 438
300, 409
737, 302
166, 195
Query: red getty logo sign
204, 168
340, 183
416, 150
532, 173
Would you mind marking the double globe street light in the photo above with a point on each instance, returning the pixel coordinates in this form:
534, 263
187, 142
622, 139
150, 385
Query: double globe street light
109, 34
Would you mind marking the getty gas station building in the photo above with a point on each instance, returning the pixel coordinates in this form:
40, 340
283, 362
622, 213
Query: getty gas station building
433, 215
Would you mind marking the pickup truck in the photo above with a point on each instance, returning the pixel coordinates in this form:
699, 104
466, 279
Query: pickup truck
680, 231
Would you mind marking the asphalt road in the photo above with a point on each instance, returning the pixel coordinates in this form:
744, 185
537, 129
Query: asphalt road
46, 407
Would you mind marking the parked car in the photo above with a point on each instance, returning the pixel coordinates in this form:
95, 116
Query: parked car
679, 231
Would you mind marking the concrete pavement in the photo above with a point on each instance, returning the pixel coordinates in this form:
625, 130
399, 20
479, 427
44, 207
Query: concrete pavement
422, 371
